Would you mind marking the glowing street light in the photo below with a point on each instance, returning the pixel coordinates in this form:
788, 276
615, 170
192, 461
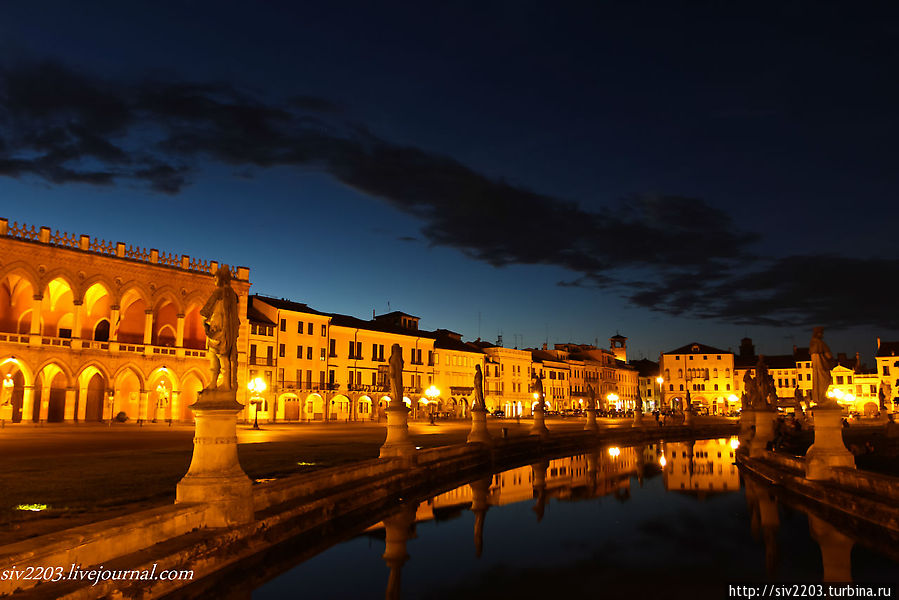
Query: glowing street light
256, 387
660, 380
432, 393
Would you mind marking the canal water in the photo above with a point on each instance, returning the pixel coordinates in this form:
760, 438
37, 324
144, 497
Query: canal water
674, 519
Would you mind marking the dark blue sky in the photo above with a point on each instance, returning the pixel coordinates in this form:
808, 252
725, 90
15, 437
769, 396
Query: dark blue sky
695, 171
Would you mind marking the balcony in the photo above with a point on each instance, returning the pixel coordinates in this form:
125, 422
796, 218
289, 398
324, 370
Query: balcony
262, 362
51, 342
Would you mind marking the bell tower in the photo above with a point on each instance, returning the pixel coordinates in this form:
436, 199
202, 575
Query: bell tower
618, 345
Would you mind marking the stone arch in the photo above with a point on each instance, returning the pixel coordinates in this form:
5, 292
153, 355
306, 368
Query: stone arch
364, 407
194, 334
162, 383
92, 386
132, 316
58, 308
50, 399
96, 308
20, 375
192, 381
340, 408
166, 308
313, 408
129, 392
17, 290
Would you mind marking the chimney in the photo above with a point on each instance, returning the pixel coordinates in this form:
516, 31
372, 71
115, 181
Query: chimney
544, 345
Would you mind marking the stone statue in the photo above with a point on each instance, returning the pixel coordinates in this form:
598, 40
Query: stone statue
221, 322
395, 372
639, 403
538, 387
591, 397
689, 403
821, 366
744, 397
478, 403
799, 397
883, 394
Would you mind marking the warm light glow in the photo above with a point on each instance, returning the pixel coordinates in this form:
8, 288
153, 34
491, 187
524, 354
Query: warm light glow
407, 402
733, 398
734, 443
612, 397
257, 386
536, 396
662, 461
614, 451
660, 380
32, 507
432, 392
8, 360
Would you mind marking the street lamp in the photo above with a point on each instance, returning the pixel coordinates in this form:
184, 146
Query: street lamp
613, 398
660, 380
256, 387
432, 393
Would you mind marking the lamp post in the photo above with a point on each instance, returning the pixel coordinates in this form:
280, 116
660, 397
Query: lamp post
432, 393
660, 380
256, 387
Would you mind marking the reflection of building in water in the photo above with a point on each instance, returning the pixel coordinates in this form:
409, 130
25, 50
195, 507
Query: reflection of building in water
566, 478
702, 466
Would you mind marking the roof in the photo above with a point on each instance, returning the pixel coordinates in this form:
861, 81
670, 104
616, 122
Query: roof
888, 349
396, 313
382, 326
284, 304
545, 356
646, 367
254, 316
618, 337
448, 342
699, 349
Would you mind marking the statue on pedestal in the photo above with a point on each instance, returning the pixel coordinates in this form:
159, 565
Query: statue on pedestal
591, 397
538, 387
822, 363
478, 402
221, 322
395, 373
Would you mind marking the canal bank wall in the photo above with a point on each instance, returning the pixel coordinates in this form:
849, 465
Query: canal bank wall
174, 537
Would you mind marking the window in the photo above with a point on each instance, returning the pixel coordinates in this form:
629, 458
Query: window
299, 327
299, 377
308, 352
849, 379
321, 375
299, 352
252, 353
308, 378
324, 329
281, 350
281, 376
359, 350
886, 369
309, 329
352, 352
322, 354
332, 348
839, 380
283, 324
269, 354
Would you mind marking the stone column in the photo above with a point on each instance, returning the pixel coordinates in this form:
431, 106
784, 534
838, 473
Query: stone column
479, 433
143, 405
397, 531
175, 406
28, 403
36, 306
828, 451
82, 403
215, 477
398, 443
764, 432
69, 410
114, 323
45, 402
539, 426
79, 319
836, 550
179, 331
148, 327
480, 489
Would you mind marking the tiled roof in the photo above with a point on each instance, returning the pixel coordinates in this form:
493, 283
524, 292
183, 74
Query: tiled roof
254, 316
646, 367
700, 349
888, 349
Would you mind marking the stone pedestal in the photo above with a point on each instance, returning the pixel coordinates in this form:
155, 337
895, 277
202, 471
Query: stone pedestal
764, 432
215, 476
688, 418
539, 426
398, 443
747, 427
479, 433
828, 451
591, 421
638, 419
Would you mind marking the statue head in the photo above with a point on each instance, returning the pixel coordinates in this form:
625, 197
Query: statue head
223, 276
477, 369
818, 332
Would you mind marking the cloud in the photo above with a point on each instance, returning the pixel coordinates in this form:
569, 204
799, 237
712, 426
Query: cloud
670, 253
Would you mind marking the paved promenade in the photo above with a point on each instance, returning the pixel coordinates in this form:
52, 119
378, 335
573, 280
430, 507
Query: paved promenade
86, 472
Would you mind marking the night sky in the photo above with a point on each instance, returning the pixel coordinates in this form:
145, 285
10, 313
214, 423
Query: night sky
549, 171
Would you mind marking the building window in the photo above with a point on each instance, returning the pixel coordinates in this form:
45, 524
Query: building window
324, 329
283, 324
322, 354
309, 329
299, 327
332, 348
281, 350
352, 352
252, 353
839, 380
308, 352
299, 352
886, 369
269, 355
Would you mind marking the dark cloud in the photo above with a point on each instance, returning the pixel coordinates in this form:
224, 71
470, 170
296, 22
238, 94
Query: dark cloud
407, 238
63, 126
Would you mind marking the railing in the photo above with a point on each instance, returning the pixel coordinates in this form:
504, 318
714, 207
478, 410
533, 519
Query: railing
262, 362
86, 243
50, 341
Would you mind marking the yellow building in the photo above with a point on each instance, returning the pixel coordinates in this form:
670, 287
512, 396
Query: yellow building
701, 467
705, 372
887, 357
91, 328
507, 379
555, 373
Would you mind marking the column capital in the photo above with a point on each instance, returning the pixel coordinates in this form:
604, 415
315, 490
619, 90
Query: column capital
77, 302
37, 297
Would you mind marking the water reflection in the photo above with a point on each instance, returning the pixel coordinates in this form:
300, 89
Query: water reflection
629, 520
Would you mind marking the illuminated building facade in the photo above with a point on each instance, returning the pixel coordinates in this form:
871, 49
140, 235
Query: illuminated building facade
705, 372
90, 329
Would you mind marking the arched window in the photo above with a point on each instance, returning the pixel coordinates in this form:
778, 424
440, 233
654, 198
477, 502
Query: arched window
716, 387
680, 373
715, 373
681, 387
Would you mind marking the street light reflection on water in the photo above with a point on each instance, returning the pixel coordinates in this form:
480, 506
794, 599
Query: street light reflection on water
676, 516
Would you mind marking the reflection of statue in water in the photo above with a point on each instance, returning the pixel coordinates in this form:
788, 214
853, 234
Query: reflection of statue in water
478, 402
821, 366
220, 320
395, 372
